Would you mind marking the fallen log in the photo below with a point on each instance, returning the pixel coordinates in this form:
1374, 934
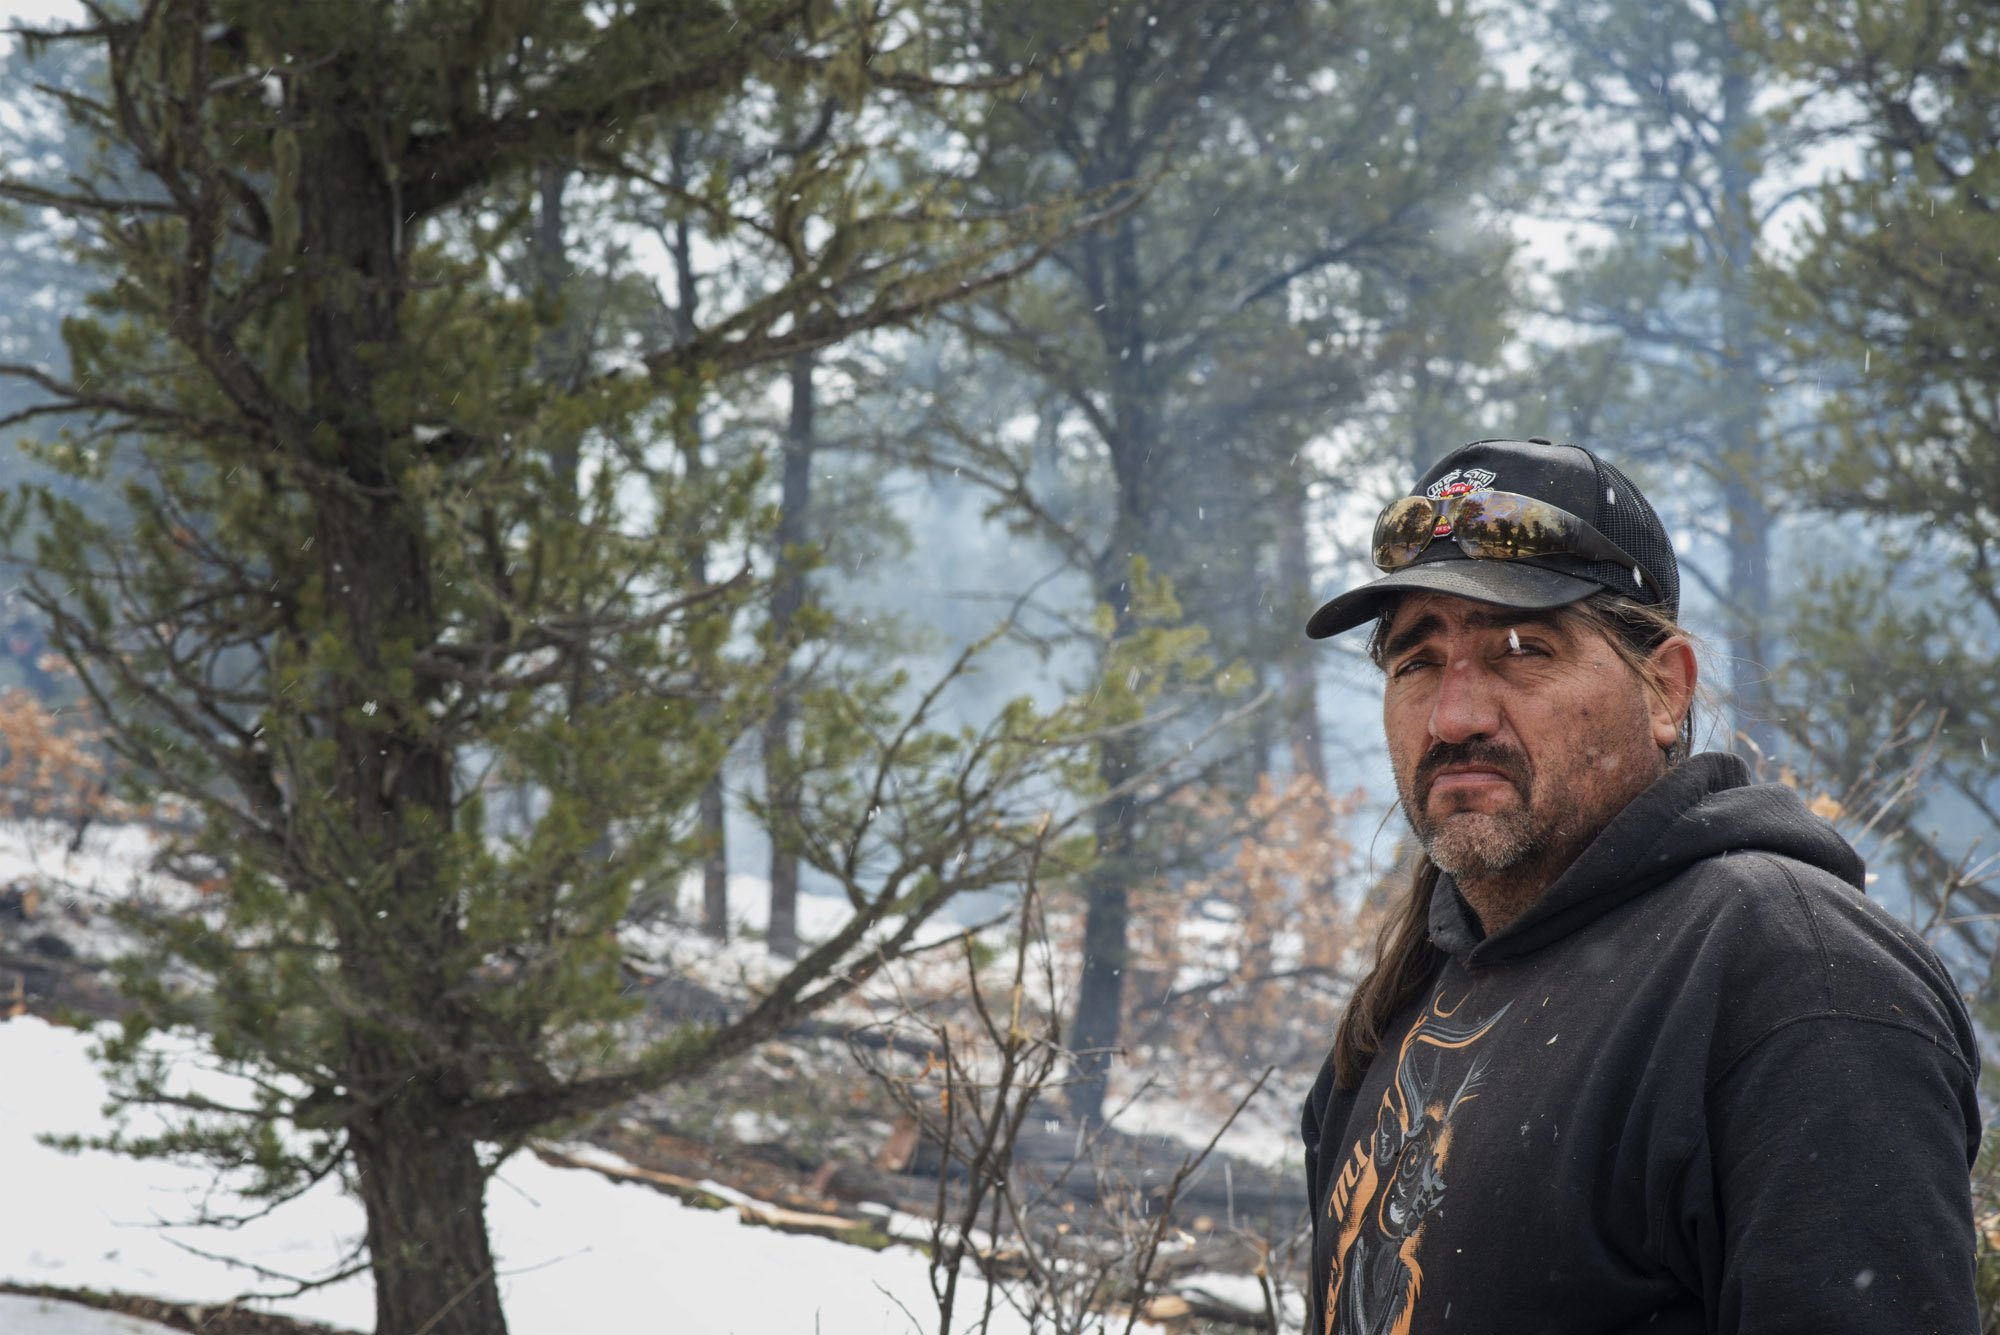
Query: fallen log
856, 1230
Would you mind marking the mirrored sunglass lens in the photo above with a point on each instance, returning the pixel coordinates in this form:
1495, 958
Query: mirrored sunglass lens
1403, 531
1500, 526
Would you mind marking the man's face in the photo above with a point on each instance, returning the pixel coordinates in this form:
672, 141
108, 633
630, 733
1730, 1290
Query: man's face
1514, 739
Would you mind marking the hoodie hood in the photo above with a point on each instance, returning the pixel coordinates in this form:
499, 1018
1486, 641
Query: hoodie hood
1704, 807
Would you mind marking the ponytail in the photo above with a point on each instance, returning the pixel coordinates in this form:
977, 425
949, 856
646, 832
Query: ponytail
1405, 963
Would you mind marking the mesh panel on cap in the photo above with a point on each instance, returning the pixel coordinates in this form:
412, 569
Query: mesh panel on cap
1630, 522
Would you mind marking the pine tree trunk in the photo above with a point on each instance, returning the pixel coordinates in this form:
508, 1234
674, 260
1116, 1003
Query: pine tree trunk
425, 1194
1741, 422
419, 1177
1098, 1022
711, 811
714, 862
795, 497
782, 939
1295, 601
1112, 276
401, 940
1741, 437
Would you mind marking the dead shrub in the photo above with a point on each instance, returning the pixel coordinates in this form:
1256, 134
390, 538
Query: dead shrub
1246, 959
53, 764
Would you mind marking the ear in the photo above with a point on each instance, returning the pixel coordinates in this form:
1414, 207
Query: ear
1674, 677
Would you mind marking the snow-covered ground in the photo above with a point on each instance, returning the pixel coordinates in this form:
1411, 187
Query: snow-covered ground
577, 1252
46, 1316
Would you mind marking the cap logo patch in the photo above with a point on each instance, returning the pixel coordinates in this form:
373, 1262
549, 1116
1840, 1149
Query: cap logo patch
1457, 482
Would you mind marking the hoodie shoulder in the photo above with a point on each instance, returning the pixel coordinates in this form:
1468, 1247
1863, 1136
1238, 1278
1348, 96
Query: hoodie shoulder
1744, 817
1790, 940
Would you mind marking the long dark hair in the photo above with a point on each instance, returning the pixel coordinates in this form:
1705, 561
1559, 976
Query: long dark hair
1405, 959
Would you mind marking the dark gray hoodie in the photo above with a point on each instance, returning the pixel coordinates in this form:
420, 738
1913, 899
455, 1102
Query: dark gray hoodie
1703, 1084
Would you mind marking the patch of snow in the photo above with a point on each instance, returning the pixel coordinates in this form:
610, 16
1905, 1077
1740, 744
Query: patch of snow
576, 1251
743, 964
755, 1128
1241, 1290
21, 1315
1266, 1133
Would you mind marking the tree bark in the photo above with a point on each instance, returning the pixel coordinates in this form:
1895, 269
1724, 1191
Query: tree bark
788, 595
424, 1190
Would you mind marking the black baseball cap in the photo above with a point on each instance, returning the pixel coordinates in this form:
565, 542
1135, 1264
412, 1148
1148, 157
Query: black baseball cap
1566, 476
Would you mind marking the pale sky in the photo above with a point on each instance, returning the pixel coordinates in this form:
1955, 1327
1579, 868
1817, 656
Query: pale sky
36, 13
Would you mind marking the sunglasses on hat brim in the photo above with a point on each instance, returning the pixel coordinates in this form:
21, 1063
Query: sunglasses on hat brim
1489, 526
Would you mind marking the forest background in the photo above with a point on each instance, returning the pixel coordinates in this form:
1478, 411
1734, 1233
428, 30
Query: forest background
486, 468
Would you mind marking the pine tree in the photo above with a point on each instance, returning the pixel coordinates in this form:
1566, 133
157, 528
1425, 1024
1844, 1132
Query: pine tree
1892, 303
1681, 152
389, 536
1301, 180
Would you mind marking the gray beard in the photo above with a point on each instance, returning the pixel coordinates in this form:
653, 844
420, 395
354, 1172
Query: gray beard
1478, 847
1501, 864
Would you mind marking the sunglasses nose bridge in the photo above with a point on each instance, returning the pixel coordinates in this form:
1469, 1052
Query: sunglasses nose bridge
1444, 515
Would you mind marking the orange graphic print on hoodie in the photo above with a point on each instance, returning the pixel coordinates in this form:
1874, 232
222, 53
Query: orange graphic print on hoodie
1394, 1180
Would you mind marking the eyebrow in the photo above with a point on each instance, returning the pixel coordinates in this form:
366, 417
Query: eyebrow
1481, 618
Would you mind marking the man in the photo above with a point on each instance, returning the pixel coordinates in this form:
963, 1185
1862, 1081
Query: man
1636, 1054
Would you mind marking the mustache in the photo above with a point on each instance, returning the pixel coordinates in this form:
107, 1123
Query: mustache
1503, 758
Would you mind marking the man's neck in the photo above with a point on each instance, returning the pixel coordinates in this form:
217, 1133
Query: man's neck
1499, 899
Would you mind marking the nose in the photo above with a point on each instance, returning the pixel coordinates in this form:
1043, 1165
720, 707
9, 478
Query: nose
1468, 702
